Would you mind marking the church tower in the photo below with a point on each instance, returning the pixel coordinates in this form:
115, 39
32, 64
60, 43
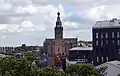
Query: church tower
58, 28
58, 35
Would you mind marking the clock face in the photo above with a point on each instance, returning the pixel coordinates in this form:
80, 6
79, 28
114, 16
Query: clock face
58, 31
58, 35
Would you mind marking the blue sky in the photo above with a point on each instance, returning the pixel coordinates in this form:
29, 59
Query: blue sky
31, 21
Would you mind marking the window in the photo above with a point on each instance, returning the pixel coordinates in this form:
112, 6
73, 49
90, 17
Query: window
58, 49
97, 59
106, 58
118, 42
119, 51
97, 35
101, 35
102, 59
101, 42
106, 35
113, 41
112, 34
106, 41
65, 49
97, 42
84, 56
51, 49
118, 34
97, 51
77, 52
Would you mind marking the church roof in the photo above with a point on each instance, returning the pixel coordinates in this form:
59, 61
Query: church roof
50, 41
65, 41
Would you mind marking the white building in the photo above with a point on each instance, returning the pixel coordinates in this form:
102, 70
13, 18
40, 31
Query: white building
113, 67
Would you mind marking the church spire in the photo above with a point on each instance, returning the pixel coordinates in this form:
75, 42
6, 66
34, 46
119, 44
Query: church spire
58, 22
58, 28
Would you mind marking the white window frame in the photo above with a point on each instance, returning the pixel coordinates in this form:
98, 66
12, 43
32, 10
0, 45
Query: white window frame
106, 35
106, 41
97, 59
118, 34
101, 35
102, 59
97, 42
113, 34
97, 35
118, 42
107, 59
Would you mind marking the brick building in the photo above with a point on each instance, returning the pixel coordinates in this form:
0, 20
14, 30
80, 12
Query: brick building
58, 45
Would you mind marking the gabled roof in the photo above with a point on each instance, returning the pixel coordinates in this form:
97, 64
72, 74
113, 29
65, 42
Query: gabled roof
70, 40
65, 40
50, 41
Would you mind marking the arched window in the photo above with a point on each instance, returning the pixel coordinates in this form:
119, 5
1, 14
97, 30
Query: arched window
51, 50
58, 50
65, 49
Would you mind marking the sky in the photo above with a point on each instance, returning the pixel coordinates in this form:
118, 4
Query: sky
31, 21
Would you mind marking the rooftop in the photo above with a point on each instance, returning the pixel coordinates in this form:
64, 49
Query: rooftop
114, 63
107, 23
82, 48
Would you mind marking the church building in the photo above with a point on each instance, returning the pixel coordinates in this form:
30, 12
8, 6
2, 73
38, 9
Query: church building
58, 45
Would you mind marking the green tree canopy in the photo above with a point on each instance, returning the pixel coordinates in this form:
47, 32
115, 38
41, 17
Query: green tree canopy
102, 70
30, 56
51, 71
12, 66
118, 74
82, 70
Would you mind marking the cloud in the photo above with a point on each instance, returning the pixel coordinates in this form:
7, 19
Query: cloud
102, 12
30, 21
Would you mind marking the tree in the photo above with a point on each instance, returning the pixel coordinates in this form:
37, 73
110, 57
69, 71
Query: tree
12, 66
118, 74
82, 70
30, 56
24, 48
51, 71
102, 70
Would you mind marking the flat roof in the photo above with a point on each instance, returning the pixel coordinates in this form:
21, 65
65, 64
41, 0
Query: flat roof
82, 48
108, 23
114, 63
